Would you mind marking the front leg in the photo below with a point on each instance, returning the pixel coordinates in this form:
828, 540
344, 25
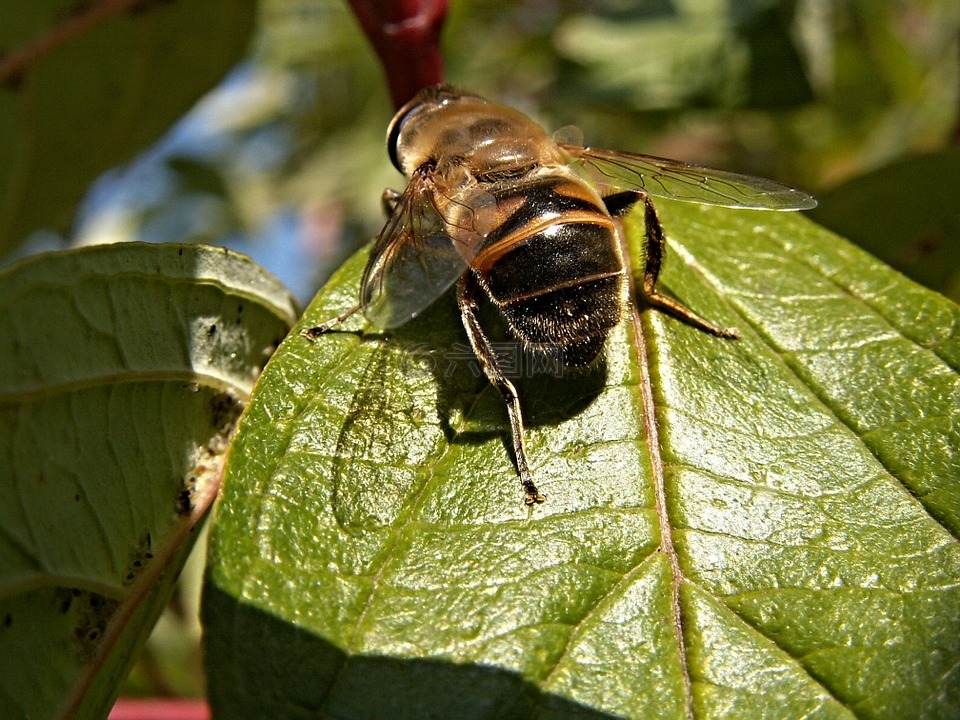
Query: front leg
467, 294
389, 200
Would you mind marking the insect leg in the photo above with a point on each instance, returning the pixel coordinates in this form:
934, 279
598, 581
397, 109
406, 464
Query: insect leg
655, 252
389, 200
620, 203
315, 332
467, 301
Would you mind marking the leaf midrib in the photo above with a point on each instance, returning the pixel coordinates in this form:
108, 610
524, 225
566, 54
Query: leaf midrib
128, 377
666, 546
652, 435
692, 266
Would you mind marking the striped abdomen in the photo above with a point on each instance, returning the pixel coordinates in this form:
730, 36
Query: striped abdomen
553, 266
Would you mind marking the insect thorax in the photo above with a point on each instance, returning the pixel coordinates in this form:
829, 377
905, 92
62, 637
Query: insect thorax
485, 137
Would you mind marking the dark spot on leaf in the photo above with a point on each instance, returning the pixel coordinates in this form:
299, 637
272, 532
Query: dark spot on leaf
64, 598
14, 81
7, 620
928, 245
92, 622
224, 411
138, 555
185, 501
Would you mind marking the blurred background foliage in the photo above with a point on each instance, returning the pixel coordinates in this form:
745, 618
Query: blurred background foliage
285, 161
855, 100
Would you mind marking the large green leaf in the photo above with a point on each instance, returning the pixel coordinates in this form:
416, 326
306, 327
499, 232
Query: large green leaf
85, 85
122, 371
763, 528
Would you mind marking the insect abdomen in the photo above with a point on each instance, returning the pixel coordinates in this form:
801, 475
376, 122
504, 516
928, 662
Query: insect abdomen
554, 268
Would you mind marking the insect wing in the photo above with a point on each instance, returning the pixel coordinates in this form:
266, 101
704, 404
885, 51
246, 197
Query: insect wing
412, 262
662, 177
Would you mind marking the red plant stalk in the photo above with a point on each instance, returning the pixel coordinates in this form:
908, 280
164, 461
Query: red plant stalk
406, 37
167, 709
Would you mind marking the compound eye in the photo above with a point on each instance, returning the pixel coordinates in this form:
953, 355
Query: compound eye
396, 125
428, 99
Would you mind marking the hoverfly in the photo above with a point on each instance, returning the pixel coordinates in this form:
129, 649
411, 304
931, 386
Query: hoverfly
519, 220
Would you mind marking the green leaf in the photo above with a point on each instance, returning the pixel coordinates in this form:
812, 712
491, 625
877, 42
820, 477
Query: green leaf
658, 61
83, 88
122, 372
735, 529
906, 214
670, 55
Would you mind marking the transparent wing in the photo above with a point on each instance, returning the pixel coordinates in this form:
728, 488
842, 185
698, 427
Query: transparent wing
413, 260
662, 177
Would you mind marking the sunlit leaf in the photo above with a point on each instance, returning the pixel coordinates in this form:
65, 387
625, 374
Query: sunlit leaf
738, 529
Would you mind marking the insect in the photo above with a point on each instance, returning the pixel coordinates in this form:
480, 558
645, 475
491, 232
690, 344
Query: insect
526, 223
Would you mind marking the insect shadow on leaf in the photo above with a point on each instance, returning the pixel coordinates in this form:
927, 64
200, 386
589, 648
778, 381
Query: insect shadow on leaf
470, 408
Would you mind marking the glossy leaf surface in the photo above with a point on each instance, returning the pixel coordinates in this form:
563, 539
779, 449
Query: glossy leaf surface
751, 529
124, 369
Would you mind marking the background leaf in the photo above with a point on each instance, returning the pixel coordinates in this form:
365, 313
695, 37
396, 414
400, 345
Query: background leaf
762, 528
122, 372
671, 55
906, 214
810, 93
61, 124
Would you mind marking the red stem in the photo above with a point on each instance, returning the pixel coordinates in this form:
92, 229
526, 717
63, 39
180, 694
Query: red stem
406, 36
160, 709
